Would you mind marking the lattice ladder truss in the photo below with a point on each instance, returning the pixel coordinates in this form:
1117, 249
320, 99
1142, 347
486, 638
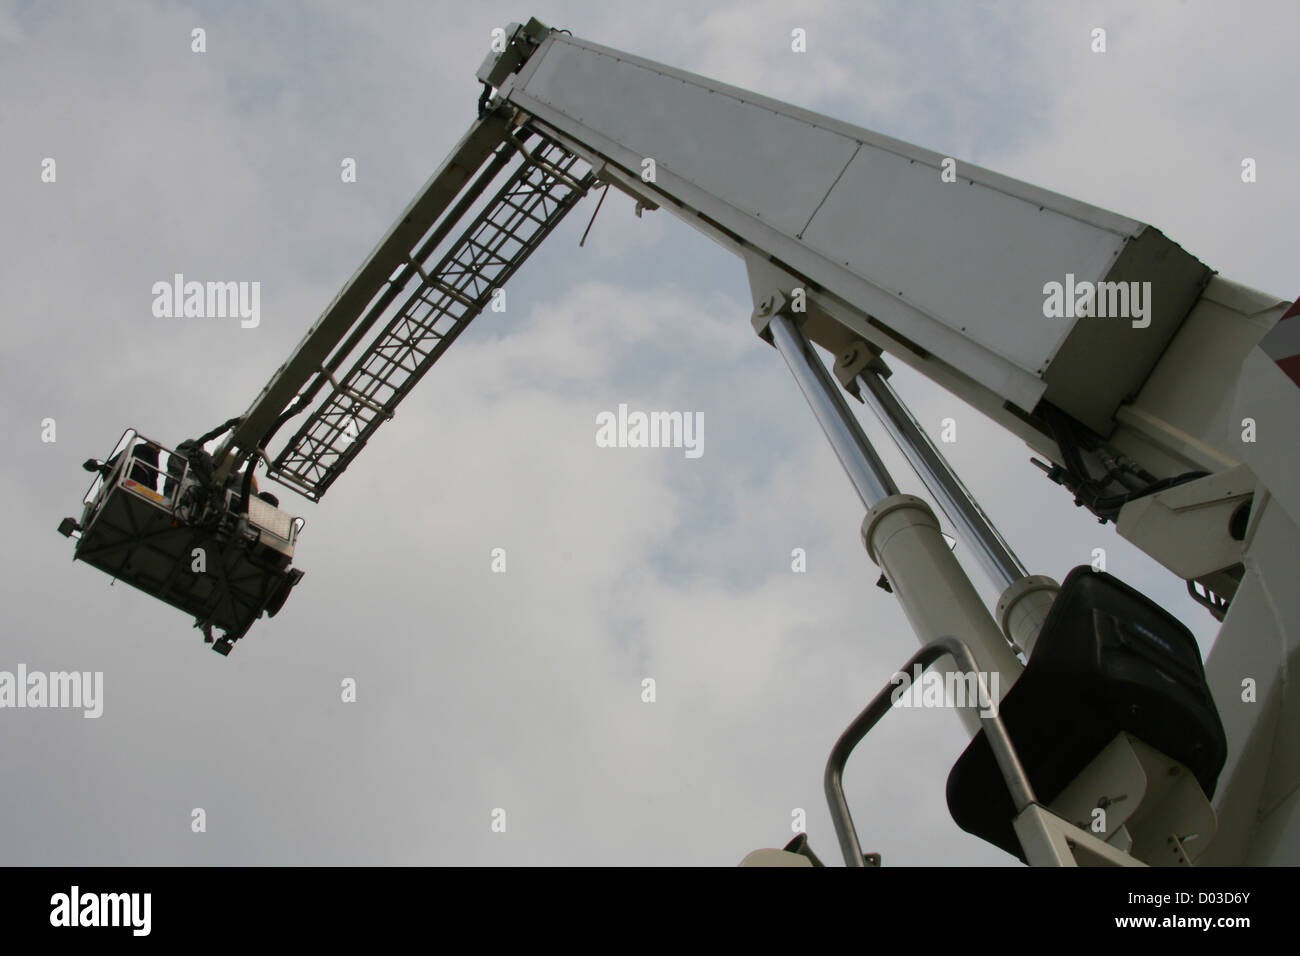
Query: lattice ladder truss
531, 203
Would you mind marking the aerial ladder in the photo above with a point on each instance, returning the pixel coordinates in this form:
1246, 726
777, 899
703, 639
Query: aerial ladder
1160, 395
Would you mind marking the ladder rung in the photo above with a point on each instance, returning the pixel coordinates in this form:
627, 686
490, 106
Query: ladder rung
517, 219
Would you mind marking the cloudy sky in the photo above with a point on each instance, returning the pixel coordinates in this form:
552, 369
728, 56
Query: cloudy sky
522, 690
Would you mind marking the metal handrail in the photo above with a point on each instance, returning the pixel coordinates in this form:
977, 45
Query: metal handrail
163, 476
1022, 794
124, 461
97, 483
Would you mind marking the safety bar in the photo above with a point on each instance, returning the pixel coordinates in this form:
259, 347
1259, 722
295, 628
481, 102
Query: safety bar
115, 458
1022, 794
125, 464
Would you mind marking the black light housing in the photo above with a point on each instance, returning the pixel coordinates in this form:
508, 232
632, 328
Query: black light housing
1108, 660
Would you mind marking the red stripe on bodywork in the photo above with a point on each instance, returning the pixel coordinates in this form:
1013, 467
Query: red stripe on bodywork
1291, 366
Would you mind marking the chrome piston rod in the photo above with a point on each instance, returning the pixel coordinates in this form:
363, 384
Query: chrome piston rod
900, 531
972, 524
870, 478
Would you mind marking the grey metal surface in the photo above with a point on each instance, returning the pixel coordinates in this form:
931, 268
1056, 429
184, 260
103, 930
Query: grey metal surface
1022, 794
1104, 362
870, 478
973, 525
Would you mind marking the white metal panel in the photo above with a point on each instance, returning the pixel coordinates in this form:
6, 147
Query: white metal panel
945, 346
949, 277
773, 166
849, 298
1259, 641
270, 518
957, 270
1266, 396
960, 251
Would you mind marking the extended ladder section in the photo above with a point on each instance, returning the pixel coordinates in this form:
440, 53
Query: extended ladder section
546, 182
